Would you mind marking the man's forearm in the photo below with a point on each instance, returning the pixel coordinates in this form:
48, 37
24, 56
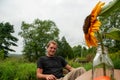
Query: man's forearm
41, 76
46, 76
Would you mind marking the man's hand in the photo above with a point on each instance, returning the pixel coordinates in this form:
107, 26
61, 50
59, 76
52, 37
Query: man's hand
50, 77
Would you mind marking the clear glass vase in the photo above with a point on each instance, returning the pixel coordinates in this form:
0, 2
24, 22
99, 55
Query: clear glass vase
102, 65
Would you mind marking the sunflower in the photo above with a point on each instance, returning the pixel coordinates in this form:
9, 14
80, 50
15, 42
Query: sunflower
92, 24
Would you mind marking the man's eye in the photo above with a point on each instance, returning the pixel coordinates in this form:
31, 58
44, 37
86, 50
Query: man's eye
52, 48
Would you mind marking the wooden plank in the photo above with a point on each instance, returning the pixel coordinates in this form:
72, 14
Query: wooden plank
88, 75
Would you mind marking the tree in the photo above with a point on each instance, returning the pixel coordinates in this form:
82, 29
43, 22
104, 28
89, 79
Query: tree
1, 55
64, 49
6, 38
36, 35
77, 51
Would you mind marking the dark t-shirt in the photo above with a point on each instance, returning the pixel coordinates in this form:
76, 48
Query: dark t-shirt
52, 65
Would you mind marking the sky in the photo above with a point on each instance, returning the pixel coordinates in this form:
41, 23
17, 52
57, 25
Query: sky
68, 15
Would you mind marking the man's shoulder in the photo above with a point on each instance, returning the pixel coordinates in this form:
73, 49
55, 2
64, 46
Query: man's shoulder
59, 57
43, 57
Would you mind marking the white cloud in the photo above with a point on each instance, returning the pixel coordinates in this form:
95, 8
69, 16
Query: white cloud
68, 15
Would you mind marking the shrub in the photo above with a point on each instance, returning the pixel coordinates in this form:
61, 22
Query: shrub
13, 69
116, 59
26, 71
7, 71
1, 54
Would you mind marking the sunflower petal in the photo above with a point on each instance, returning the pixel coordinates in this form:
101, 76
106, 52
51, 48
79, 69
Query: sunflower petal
95, 12
95, 26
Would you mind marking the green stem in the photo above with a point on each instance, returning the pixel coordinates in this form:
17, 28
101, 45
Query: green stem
102, 48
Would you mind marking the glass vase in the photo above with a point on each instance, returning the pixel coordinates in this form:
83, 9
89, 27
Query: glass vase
102, 65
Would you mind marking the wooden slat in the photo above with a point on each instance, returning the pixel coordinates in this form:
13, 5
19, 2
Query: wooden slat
88, 75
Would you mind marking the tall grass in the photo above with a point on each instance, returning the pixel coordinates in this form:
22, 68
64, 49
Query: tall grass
13, 69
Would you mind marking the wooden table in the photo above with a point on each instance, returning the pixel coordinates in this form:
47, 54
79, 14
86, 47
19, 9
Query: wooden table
88, 75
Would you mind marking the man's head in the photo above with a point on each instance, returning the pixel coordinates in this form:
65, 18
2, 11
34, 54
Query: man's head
51, 48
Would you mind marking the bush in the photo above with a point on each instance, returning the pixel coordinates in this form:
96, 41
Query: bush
13, 69
88, 66
116, 63
1, 55
26, 71
7, 71
74, 64
116, 59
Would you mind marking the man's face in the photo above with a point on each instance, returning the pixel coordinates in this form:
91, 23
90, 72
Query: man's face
51, 49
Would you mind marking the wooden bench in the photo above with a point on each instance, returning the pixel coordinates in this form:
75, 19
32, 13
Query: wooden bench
88, 75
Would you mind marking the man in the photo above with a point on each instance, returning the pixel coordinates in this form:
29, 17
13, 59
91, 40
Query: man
50, 67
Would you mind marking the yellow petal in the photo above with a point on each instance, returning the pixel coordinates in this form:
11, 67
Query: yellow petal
95, 26
95, 12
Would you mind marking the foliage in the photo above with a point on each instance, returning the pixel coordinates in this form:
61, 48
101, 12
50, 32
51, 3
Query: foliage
36, 35
77, 50
114, 34
74, 64
110, 22
88, 66
6, 38
26, 71
7, 71
108, 9
83, 52
116, 59
14, 69
1, 55
64, 49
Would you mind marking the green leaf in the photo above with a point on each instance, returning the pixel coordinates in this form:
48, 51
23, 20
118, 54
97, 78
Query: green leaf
114, 34
113, 5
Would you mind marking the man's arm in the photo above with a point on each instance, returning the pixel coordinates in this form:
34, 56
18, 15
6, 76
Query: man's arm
44, 76
39, 73
68, 67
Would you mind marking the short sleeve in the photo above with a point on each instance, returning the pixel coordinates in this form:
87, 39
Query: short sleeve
63, 61
39, 63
